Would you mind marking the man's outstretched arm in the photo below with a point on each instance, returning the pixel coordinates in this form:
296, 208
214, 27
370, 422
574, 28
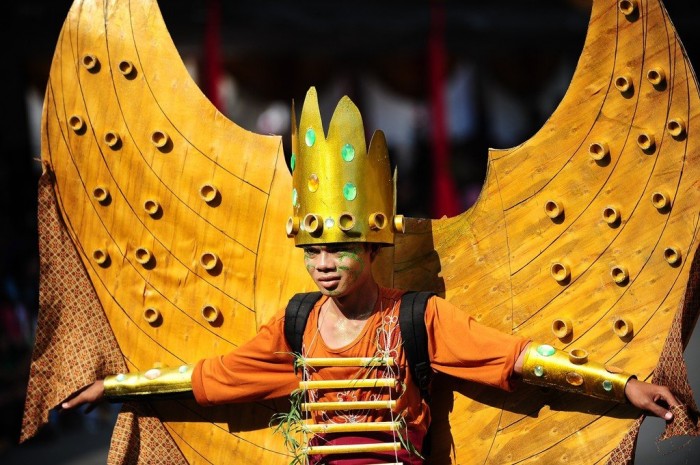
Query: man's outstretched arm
543, 365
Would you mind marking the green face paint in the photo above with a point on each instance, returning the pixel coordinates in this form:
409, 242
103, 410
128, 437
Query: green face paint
309, 255
355, 272
346, 258
347, 262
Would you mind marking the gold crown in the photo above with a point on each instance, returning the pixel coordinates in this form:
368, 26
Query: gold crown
342, 192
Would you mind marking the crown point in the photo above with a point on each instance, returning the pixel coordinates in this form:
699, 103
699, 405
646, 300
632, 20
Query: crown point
377, 145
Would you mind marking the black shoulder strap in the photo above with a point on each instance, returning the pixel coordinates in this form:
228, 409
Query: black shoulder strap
295, 316
415, 338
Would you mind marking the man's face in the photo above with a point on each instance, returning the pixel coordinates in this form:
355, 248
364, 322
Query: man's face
338, 269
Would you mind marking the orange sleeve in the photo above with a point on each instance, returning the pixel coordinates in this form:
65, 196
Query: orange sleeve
460, 346
262, 368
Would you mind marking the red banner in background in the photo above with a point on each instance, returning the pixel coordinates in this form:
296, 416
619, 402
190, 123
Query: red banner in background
445, 197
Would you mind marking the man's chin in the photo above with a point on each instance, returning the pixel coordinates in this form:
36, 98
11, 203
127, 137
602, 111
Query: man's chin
329, 287
330, 292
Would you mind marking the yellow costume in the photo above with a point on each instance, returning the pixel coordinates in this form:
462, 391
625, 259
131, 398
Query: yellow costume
584, 237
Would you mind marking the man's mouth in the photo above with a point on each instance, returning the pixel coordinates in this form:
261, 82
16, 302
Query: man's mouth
329, 282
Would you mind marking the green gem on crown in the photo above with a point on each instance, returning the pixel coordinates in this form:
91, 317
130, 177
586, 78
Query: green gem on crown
607, 385
349, 191
293, 162
294, 197
347, 152
310, 137
539, 371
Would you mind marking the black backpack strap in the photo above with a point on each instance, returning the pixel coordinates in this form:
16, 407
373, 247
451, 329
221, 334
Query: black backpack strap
295, 316
415, 338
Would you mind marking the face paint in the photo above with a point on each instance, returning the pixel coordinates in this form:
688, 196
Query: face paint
309, 256
348, 258
338, 269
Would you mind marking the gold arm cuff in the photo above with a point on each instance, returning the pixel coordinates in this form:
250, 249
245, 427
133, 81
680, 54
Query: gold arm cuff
571, 371
160, 382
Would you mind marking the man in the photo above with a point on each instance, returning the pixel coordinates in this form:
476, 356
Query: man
351, 372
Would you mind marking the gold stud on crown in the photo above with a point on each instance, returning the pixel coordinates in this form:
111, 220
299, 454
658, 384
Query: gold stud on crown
341, 192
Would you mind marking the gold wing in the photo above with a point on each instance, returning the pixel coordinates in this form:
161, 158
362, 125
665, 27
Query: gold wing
176, 215
587, 230
175, 212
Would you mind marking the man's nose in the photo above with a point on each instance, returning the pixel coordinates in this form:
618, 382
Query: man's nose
325, 261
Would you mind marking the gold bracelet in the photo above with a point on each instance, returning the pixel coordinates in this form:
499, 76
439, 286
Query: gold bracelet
571, 371
158, 382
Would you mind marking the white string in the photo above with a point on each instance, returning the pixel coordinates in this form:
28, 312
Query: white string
394, 375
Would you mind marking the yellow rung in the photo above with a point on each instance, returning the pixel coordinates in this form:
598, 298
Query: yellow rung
352, 427
352, 448
347, 362
348, 383
359, 405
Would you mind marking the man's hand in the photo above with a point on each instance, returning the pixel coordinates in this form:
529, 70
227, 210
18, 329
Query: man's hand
91, 395
646, 396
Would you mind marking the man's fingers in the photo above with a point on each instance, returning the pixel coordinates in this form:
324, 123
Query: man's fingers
76, 399
663, 395
654, 398
69, 404
667, 396
659, 411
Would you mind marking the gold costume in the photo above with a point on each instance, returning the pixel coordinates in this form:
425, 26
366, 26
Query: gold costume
163, 242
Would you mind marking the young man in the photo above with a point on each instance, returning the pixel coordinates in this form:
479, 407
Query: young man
352, 370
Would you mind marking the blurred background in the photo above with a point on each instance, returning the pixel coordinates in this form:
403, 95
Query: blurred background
494, 70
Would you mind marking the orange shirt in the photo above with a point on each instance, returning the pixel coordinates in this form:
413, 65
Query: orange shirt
457, 345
